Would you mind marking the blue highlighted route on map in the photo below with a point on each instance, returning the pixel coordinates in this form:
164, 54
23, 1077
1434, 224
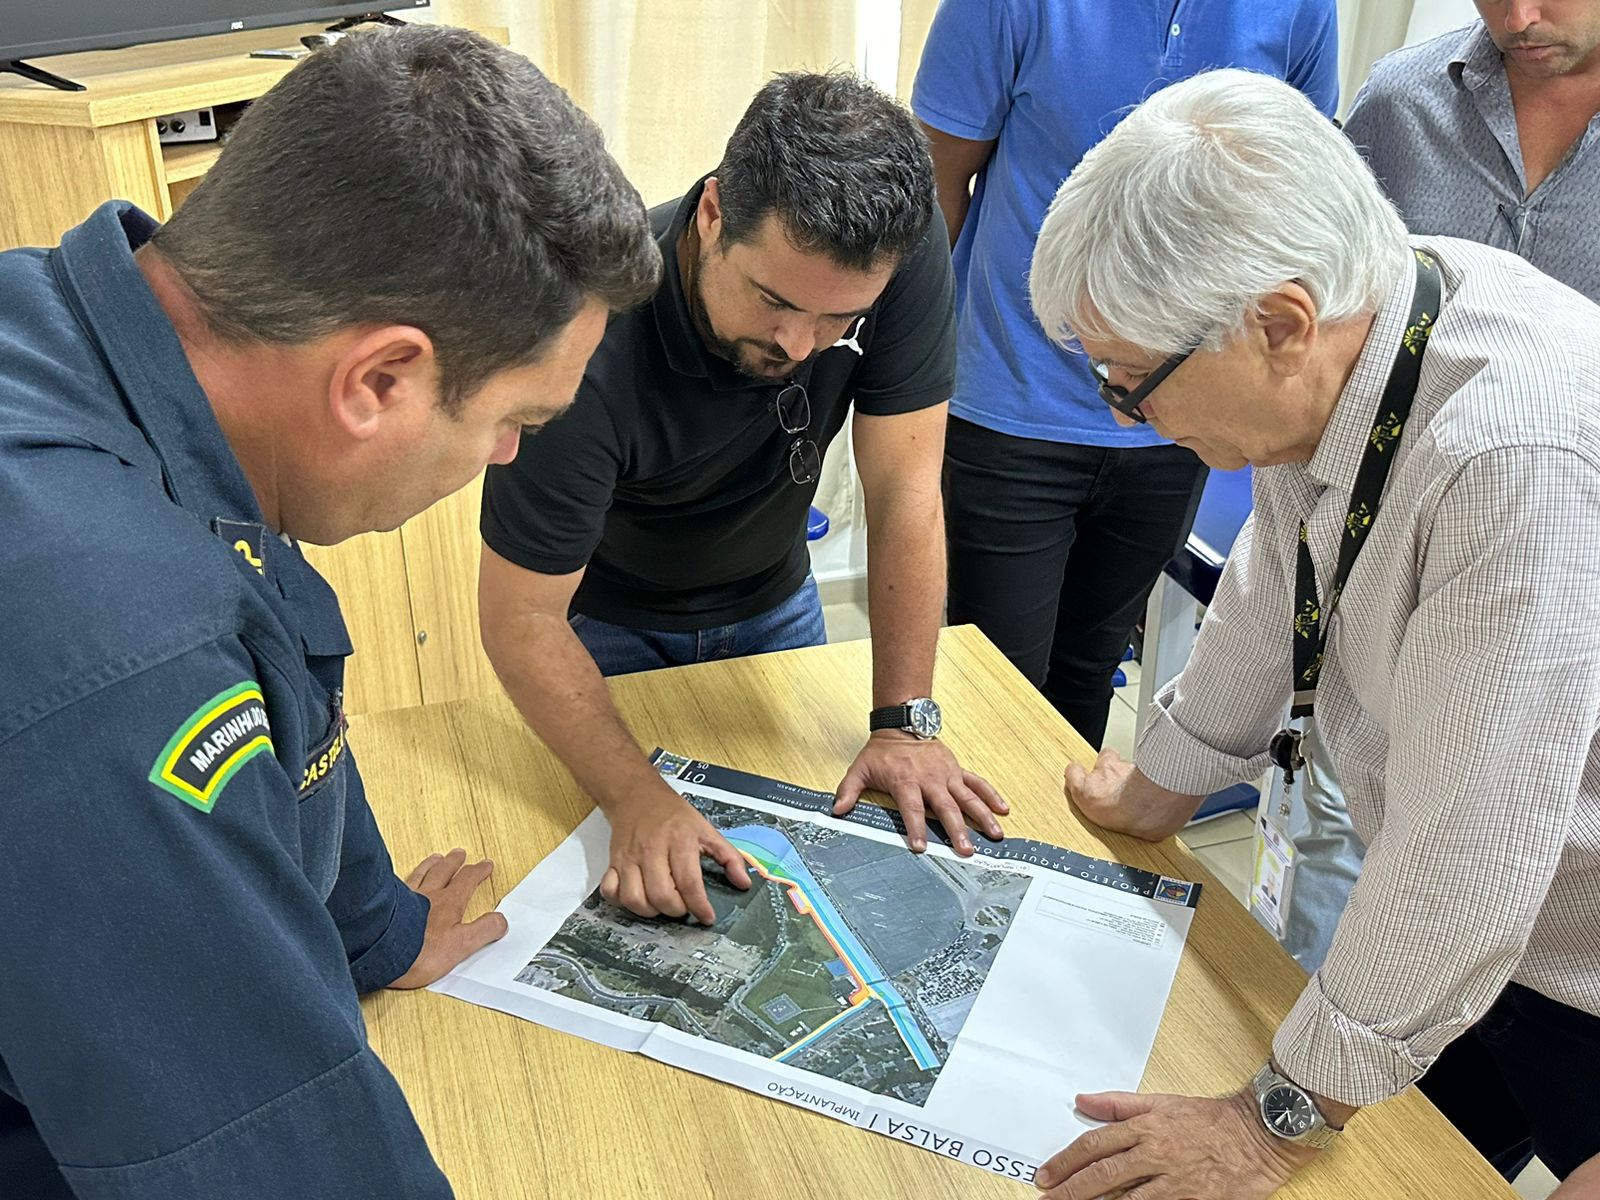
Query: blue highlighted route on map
775, 858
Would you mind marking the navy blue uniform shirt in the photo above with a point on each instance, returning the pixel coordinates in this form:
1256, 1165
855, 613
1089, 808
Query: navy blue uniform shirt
192, 887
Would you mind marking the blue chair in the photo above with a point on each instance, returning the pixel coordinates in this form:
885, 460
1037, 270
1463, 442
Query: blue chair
1119, 677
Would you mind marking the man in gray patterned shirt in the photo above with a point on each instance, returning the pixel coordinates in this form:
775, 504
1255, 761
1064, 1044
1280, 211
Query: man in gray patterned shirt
1491, 133
1230, 267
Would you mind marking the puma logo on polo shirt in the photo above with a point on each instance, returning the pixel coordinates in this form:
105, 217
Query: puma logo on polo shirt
851, 340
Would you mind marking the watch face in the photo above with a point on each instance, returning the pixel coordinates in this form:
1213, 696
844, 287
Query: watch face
925, 719
1288, 1111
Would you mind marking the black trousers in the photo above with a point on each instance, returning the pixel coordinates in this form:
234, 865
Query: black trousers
1054, 549
1522, 1081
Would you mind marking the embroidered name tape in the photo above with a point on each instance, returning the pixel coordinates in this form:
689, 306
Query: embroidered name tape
208, 749
321, 761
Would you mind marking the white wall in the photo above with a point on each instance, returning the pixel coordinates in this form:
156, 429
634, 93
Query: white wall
1429, 18
1369, 29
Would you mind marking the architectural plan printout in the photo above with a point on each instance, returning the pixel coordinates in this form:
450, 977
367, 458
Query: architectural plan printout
956, 1004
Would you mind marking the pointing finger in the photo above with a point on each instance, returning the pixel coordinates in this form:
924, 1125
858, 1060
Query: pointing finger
691, 885
730, 860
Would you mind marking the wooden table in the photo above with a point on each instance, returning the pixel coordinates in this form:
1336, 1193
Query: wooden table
514, 1110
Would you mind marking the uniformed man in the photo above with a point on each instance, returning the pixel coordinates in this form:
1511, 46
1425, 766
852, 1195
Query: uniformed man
356, 310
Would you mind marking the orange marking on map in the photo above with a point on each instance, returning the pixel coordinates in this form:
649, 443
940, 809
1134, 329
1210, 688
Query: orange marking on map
863, 992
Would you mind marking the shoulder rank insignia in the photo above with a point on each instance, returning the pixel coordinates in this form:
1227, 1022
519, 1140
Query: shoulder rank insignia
246, 538
221, 735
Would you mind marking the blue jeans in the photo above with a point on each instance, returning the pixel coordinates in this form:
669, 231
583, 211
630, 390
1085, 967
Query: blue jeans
622, 650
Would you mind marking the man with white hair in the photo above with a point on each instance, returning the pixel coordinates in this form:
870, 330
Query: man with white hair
1489, 132
1422, 413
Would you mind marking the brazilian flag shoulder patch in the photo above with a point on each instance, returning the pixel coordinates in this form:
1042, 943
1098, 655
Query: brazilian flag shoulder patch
222, 735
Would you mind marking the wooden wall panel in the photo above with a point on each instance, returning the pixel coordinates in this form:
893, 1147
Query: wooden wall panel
442, 550
369, 574
631, 63
53, 176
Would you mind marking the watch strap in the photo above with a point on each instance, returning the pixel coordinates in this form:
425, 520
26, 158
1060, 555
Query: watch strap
1321, 1137
894, 716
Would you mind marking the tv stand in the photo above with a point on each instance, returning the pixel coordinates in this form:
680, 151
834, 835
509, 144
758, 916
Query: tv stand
376, 17
64, 152
39, 75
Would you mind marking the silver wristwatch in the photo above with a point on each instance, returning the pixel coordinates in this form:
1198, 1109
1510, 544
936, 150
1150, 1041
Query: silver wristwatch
1289, 1112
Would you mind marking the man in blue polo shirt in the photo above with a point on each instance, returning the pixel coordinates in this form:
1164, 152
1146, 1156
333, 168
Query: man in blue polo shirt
194, 888
1059, 520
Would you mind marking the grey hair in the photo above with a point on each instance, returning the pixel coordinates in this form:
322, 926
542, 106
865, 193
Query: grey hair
1208, 197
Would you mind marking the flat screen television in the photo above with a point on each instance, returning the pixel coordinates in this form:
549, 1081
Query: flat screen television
35, 28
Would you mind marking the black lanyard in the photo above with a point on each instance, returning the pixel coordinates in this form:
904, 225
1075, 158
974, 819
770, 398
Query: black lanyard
1311, 618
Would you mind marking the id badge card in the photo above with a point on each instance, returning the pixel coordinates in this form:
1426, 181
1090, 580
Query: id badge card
1274, 875
1272, 878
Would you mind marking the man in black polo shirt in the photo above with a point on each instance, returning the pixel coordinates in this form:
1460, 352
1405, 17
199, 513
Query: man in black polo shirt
662, 521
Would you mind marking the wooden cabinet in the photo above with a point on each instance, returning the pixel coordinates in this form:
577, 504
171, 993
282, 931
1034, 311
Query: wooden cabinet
410, 597
66, 152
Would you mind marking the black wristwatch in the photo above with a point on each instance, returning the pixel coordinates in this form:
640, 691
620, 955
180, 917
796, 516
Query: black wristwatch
920, 717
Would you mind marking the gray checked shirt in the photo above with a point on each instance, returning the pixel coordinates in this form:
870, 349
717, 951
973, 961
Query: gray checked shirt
1436, 124
1460, 693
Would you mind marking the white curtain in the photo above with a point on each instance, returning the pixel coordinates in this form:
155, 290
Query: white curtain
1430, 18
667, 79
1368, 29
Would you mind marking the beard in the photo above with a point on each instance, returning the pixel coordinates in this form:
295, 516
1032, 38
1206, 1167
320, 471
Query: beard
751, 357
1564, 58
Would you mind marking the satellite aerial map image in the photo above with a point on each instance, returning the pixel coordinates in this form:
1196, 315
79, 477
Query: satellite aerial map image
848, 957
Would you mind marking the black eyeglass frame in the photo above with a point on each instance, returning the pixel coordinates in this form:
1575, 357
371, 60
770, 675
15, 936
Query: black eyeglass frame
793, 406
1127, 402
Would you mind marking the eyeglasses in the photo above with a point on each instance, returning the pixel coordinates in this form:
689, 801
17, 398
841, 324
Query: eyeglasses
1127, 402
794, 416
